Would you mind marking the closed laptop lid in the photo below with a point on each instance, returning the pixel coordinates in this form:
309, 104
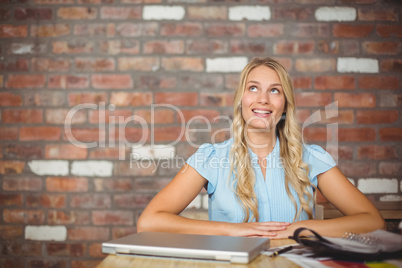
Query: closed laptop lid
189, 246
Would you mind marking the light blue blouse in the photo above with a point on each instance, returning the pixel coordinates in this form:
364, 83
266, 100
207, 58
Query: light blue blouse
213, 163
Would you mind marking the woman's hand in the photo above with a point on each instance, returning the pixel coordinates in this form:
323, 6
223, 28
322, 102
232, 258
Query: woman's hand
266, 229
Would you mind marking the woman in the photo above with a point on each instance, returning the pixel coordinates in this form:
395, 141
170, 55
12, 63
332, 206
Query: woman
261, 182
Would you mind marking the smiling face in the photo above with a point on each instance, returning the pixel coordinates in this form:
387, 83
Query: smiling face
263, 101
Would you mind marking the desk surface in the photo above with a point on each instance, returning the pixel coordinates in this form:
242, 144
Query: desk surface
261, 261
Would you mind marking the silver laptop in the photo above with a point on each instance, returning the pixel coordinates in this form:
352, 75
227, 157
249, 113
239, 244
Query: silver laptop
188, 246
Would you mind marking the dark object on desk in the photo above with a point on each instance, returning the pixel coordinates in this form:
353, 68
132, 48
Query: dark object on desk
187, 246
378, 245
284, 250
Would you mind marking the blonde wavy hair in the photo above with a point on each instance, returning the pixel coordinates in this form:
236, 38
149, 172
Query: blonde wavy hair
288, 130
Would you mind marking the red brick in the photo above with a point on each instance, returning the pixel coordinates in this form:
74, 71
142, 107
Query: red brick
10, 200
46, 200
377, 152
225, 29
85, 134
8, 133
82, 98
72, 47
356, 134
391, 134
312, 99
115, 217
65, 151
51, 30
33, 14
17, 65
206, 46
104, 153
123, 168
41, 262
65, 184
121, 13
50, 65
25, 81
201, 82
45, 98
89, 233
390, 168
22, 184
335, 82
138, 63
357, 169
13, 31
11, 232
175, 98
95, 30
68, 81
352, 30
77, 13
24, 151
134, 30
366, 100
118, 232
10, 99
59, 116
206, 115
68, 217
164, 47
292, 13
23, 216
4, 14
391, 65
23, 116
40, 133
181, 29
65, 250
94, 64
95, 251
168, 134
131, 99
216, 99
22, 248
183, 64
316, 134
311, 30
266, 30
378, 14
382, 48
120, 47
11, 167
302, 82
376, 117
344, 152
315, 65
302, 115
160, 116
148, 82
95, 117
378, 82
112, 81
294, 47
344, 117
240, 47
328, 46
132, 200
207, 13
389, 31
114, 185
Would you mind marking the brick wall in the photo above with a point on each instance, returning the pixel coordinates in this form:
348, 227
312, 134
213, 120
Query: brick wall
84, 80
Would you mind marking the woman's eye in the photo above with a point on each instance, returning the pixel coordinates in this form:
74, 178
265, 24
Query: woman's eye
275, 91
253, 88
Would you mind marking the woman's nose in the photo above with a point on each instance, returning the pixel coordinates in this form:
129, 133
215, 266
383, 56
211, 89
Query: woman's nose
263, 98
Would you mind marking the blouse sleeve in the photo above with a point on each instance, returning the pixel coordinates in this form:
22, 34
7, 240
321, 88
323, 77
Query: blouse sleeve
205, 162
318, 160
